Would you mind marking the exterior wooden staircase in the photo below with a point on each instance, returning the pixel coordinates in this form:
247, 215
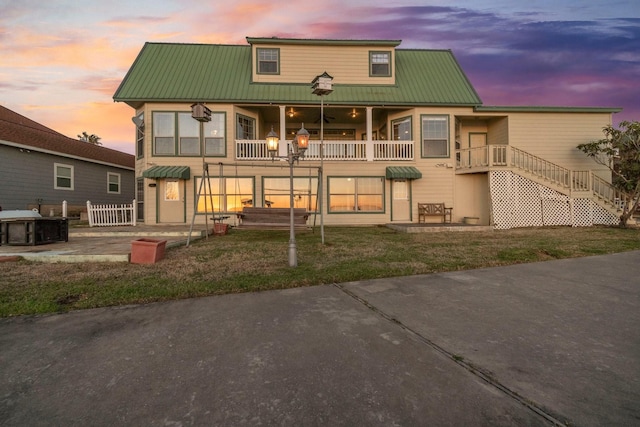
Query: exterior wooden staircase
574, 184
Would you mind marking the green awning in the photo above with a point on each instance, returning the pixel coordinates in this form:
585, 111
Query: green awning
403, 172
179, 172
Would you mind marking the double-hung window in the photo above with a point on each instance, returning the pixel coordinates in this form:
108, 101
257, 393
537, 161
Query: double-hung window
214, 135
356, 194
435, 136
113, 183
268, 61
188, 135
164, 134
380, 64
63, 176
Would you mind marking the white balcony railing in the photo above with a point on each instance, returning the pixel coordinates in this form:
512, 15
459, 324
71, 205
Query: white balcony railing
335, 150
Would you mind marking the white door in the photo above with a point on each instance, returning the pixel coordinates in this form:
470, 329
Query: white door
171, 207
401, 204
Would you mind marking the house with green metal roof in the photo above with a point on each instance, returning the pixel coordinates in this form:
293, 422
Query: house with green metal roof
389, 129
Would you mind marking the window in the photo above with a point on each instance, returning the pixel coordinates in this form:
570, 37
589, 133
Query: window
227, 194
169, 127
140, 137
277, 192
401, 129
164, 133
188, 135
380, 64
356, 194
113, 183
268, 61
435, 136
140, 198
171, 190
245, 127
214, 135
63, 176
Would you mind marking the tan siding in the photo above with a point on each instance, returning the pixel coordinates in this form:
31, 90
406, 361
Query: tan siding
554, 136
346, 64
498, 131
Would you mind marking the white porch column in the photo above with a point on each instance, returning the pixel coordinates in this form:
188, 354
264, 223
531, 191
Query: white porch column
369, 134
282, 134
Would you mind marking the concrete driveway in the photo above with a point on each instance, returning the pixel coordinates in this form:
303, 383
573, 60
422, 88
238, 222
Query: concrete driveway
535, 344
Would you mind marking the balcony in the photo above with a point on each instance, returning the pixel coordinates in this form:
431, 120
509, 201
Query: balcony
365, 151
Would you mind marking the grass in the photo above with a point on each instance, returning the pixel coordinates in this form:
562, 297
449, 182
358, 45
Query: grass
248, 261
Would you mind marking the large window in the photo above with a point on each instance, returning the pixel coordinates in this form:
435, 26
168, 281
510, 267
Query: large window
113, 183
401, 129
356, 194
245, 127
435, 136
380, 64
188, 135
164, 131
268, 61
226, 194
215, 135
63, 176
171, 127
277, 192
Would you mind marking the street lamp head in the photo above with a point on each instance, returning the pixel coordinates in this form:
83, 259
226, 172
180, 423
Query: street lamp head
272, 142
302, 140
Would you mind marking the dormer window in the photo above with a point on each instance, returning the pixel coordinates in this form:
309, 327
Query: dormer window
380, 64
268, 61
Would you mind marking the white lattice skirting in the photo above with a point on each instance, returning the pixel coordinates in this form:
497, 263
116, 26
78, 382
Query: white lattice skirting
519, 202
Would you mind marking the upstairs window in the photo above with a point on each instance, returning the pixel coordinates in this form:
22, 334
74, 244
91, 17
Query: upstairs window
380, 64
435, 136
180, 134
268, 61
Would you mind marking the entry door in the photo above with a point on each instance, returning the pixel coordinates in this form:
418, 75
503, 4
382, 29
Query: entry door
171, 203
479, 158
401, 209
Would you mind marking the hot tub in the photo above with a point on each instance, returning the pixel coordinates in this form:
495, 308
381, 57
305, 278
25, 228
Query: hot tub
25, 227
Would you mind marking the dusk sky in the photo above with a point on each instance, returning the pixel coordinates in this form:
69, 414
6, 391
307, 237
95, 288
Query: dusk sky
62, 61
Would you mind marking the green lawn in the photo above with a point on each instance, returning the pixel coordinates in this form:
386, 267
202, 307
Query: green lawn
245, 261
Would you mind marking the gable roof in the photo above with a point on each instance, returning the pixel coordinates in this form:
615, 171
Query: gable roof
18, 130
174, 72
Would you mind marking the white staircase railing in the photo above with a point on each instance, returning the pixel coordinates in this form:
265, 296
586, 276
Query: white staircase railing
570, 181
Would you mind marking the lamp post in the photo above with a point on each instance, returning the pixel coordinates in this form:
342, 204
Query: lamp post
298, 147
322, 85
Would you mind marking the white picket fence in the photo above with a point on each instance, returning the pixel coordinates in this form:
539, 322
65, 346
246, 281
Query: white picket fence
111, 215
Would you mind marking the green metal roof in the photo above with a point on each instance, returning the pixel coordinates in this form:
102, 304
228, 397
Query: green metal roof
169, 72
403, 172
545, 109
176, 172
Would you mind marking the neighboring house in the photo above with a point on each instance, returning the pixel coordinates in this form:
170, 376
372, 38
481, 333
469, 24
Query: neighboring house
401, 127
41, 168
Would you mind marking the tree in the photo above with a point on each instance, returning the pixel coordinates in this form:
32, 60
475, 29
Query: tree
619, 151
91, 139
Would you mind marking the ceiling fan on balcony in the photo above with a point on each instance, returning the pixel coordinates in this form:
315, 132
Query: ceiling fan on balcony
325, 117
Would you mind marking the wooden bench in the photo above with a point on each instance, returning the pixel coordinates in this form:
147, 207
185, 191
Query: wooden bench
272, 218
434, 209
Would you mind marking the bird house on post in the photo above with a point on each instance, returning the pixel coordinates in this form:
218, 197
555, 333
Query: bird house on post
322, 84
200, 112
